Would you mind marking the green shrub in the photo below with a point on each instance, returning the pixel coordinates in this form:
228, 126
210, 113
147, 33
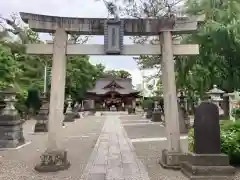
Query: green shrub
230, 140
236, 113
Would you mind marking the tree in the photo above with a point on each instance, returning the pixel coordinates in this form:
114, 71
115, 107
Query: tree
26, 72
81, 76
117, 74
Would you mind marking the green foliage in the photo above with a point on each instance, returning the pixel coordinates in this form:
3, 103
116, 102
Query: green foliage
27, 71
33, 101
230, 140
117, 74
218, 37
148, 104
236, 113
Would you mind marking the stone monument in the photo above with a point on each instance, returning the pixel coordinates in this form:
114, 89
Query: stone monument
11, 131
69, 115
42, 116
207, 162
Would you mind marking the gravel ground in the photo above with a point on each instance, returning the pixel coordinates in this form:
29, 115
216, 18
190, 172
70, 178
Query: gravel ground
79, 139
150, 152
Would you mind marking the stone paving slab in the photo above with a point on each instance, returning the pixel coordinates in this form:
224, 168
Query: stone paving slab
79, 138
150, 152
113, 157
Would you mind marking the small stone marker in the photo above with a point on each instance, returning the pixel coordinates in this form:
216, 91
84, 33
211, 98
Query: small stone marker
207, 162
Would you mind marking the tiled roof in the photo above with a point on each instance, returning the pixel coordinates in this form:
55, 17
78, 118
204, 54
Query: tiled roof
126, 84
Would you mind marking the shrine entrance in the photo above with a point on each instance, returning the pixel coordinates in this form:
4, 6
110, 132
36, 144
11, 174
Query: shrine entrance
110, 92
113, 31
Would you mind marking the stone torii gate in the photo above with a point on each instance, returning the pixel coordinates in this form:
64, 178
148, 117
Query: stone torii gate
113, 31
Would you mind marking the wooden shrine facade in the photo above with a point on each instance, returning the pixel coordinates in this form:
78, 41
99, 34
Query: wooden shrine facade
110, 92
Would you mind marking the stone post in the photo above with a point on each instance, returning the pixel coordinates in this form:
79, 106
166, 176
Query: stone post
69, 115
42, 116
76, 108
171, 155
11, 135
133, 105
55, 158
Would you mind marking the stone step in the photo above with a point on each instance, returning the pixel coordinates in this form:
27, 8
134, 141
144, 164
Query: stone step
207, 172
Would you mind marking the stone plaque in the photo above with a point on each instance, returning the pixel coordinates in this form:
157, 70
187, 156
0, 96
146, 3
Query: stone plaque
207, 129
113, 36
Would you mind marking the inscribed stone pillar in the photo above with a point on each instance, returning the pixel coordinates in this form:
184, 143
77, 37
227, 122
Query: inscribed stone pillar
207, 162
58, 157
171, 155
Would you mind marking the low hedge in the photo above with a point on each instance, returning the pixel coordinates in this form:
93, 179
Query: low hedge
230, 140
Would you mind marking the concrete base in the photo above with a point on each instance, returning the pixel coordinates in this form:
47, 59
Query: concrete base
41, 126
172, 160
157, 116
11, 131
207, 166
69, 117
53, 161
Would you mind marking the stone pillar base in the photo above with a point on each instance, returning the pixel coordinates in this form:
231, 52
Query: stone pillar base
53, 161
172, 160
207, 166
157, 116
41, 127
69, 117
11, 131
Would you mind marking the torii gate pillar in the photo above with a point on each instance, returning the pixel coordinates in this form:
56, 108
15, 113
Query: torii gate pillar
55, 158
171, 155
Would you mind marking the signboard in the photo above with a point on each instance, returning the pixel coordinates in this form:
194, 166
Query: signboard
113, 37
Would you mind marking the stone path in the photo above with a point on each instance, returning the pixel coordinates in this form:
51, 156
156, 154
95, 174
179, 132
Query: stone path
113, 156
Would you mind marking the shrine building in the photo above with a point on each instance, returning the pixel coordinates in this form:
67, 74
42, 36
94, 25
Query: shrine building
110, 92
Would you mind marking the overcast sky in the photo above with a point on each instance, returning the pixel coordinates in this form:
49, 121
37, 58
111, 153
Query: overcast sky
75, 8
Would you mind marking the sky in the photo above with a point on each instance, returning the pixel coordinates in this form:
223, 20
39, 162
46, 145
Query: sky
76, 8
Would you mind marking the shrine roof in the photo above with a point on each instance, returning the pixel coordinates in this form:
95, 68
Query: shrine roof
123, 86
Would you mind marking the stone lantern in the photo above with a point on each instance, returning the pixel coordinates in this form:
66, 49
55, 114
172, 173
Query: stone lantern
184, 120
42, 117
69, 115
157, 114
11, 131
182, 100
234, 100
76, 108
215, 97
